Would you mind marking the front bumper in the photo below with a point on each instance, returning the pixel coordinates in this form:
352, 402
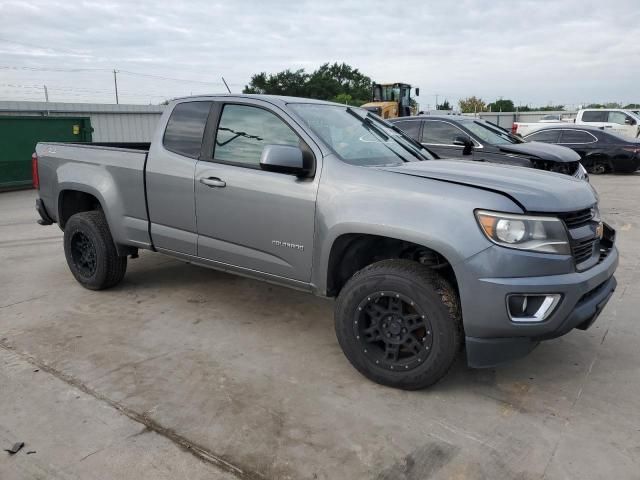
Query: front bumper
492, 338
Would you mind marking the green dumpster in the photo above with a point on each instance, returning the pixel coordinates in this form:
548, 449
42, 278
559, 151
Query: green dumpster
18, 138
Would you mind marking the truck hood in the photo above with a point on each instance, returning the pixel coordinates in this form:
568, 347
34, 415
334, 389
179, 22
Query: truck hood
543, 151
533, 190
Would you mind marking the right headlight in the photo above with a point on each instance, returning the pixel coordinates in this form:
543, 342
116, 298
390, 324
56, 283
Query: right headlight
525, 232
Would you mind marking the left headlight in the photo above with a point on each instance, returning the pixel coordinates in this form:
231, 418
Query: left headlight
581, 173
525, 232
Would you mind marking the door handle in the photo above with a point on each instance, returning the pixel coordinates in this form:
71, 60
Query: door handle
213, 182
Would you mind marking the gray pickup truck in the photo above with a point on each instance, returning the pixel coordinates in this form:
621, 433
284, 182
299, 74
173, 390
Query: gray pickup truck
422, 256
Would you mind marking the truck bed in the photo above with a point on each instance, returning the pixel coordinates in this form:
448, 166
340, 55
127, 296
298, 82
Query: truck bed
111, 172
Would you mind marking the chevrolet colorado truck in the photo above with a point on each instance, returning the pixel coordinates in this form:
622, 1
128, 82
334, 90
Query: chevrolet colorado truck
423, 257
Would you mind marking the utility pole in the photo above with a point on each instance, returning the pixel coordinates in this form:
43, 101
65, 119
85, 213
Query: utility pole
115, 83
46, 94
225, 84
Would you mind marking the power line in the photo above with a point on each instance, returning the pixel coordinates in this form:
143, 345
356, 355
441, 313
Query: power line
42, 47
128, 72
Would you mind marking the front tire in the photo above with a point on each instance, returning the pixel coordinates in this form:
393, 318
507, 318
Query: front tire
398, 323
91, 254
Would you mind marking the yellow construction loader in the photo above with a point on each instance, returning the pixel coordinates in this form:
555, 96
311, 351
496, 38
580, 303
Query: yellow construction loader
391, 100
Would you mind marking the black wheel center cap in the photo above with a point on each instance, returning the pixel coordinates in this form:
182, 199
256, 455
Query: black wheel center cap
395, 326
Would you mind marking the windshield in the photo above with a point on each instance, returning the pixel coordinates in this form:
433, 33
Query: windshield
358, 137
490, 134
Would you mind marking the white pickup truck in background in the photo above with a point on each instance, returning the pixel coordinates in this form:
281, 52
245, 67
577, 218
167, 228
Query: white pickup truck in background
615, 120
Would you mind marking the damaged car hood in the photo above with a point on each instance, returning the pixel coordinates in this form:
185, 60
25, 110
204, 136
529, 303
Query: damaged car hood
543, 151
534, 190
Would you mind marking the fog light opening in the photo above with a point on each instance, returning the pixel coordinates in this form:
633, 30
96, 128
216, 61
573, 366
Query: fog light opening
525, 307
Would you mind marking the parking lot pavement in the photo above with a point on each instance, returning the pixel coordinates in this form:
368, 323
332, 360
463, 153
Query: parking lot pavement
186, 372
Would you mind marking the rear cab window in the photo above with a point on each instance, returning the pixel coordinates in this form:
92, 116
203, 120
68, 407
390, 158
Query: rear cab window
185, 128
595, 116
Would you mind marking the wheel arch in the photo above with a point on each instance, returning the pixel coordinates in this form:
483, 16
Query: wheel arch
351, 252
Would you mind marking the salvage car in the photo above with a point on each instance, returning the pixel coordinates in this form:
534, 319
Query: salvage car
600, 151
616, 120
423, 257
454, 136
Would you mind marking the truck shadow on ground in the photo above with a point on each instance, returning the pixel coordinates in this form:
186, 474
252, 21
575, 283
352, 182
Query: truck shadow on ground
198, 286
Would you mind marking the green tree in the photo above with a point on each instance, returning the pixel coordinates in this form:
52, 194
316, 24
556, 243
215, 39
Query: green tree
632, 106
502, 106
472, 105
328, 81
549, 108
286, 82
444, 106
343, 98
338, 82
604, 105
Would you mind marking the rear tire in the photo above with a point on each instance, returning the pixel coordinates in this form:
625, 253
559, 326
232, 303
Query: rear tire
91, 254
398, 322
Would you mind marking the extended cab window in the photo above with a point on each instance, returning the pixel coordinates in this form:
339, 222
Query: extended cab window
594, 116
244, 131
546, 136
185, 128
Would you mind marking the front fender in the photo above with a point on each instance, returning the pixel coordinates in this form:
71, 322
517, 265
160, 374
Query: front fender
435, 214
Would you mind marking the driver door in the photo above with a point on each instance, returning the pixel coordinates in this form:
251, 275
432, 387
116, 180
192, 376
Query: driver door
246, 217
439, 136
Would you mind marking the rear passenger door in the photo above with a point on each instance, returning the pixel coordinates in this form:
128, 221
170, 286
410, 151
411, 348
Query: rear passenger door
169, 178
438, 136
580, 141
249, 218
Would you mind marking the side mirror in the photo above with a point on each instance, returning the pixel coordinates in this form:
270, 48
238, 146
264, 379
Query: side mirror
285, 159
629, 121
417, 91
463, 141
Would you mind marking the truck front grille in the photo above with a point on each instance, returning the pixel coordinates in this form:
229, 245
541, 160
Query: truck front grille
585, 245
577, 219
583, 250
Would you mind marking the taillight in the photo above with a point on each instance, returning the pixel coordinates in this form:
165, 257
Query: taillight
632, 149
34, 171
514, 128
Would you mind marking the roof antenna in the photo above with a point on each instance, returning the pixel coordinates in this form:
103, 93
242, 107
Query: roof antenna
225, 84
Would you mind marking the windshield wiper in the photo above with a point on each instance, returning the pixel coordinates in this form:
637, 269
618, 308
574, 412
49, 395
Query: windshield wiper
367, 121
404, 136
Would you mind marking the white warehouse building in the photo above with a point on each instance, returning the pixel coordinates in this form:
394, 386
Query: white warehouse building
110, 122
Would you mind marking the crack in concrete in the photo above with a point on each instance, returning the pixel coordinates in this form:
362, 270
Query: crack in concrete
182, 442
22, 301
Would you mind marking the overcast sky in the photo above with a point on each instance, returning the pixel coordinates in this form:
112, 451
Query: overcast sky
533, 52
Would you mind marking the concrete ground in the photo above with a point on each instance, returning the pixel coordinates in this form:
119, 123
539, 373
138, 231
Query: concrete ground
184, 372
